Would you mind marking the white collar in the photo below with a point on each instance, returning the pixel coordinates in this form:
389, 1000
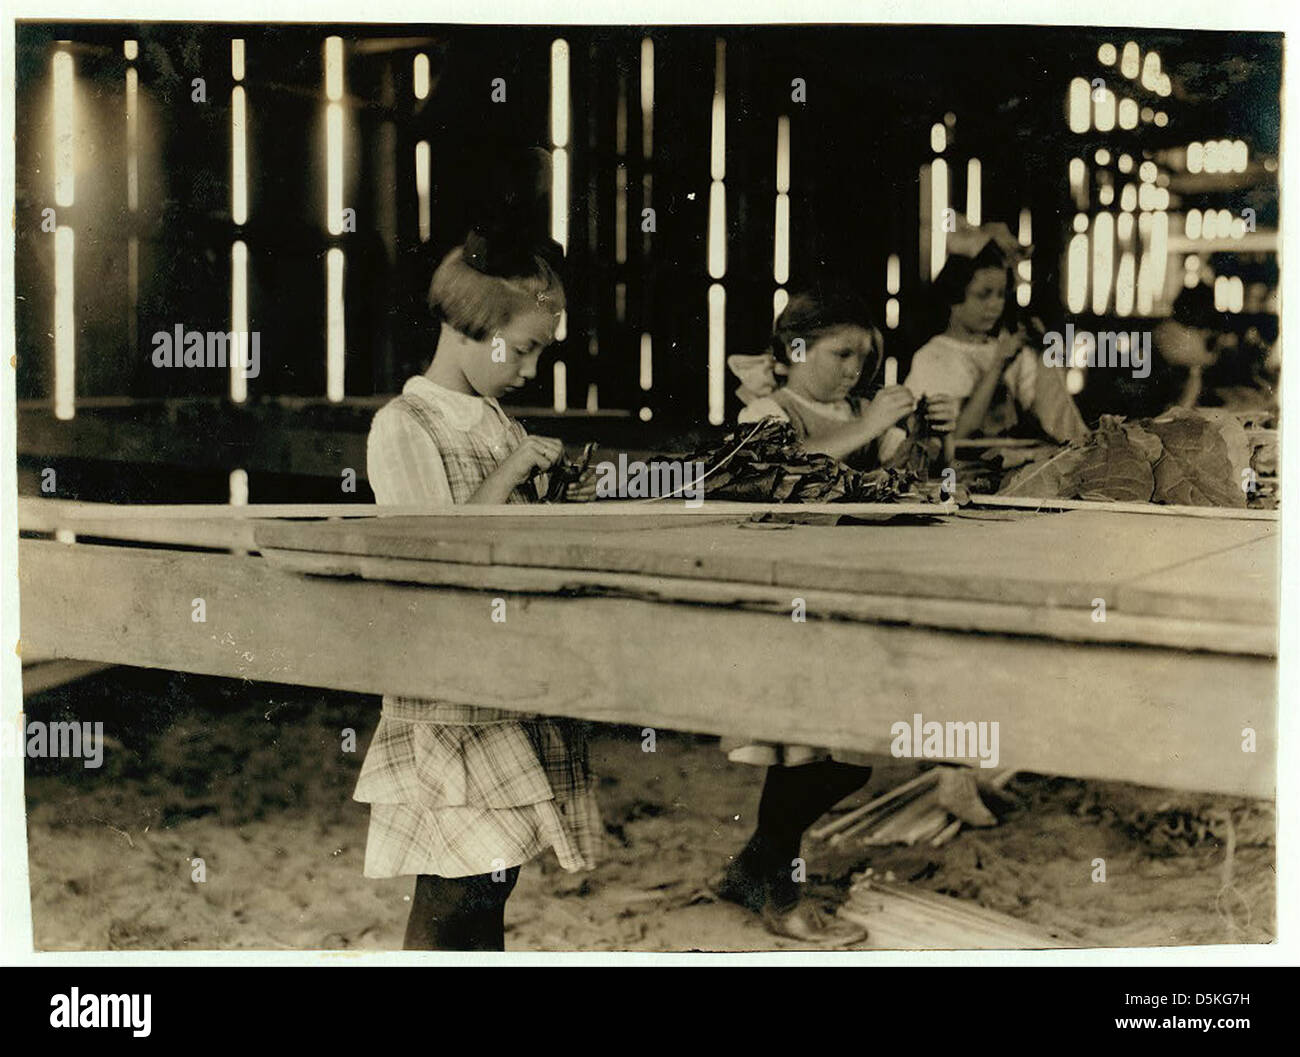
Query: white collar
462, 410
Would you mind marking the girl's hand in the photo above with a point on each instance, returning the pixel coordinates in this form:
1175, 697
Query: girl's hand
533, 455
891, 404
942, 411
583, 490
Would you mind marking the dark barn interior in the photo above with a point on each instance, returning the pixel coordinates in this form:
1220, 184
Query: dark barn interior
300, 183
431, 122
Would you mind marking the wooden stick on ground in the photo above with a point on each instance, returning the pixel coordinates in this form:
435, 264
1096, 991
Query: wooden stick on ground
847, 819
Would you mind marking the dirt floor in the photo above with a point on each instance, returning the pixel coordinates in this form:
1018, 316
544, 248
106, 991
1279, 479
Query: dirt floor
252, 779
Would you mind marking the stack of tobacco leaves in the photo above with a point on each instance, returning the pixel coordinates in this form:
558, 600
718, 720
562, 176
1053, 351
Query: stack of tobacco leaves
765, 463
1180, 457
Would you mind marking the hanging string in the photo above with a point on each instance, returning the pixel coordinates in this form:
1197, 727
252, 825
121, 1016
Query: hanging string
719, 466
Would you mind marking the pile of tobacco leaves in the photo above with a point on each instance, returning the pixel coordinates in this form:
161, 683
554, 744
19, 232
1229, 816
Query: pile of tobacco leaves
1179, 457
765, 463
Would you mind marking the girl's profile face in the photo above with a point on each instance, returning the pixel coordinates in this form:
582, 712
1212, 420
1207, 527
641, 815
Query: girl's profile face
833, 363
508, 359
986, 297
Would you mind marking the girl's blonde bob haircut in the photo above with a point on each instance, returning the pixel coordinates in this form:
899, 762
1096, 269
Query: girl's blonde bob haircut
480, 305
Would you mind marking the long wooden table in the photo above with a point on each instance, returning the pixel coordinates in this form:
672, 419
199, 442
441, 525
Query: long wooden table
660, 617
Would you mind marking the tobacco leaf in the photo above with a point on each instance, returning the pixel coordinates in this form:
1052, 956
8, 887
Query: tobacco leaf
1115, 468
1196, 469
765, 463
1053, 478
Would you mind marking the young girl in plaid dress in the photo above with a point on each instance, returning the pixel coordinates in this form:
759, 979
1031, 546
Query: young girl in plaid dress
823, 344
461, 795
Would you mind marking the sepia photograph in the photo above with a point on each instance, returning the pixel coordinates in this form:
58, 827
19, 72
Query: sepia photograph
610, 488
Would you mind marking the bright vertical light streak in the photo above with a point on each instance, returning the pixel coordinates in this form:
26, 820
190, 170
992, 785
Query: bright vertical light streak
335, 324
238, 156
560, 385
1159, 251
938, 203
239, 488
334, 68
1145, 286
422, 178
237, 59
717, 230
65, 131
1076, 274
1221, 293
334, 135
1151, 71
560, 142
420, 76
238, 318
1128, 63
559, 93
893, 273
1078, 182
891, 313
647, 96
560, 197
1125, 282
334, 167
1026, 233
1103, 260
780, 299
1128, 113
65, 325
1079, 108
131, 49
781, 243
783, 154
647, 362
938, 137
1195, 157
974, 196
132, 139
717, 353
1104, 112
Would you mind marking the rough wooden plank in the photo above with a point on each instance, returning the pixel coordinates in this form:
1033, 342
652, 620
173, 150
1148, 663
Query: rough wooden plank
47, 675
1054, 560
1151, 716
1063, 624
1238, 584
1215, 513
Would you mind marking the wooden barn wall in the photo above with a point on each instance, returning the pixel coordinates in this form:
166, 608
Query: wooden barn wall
857, 145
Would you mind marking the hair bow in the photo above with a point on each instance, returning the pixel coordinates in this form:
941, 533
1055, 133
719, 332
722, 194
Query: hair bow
969, 241
757, 375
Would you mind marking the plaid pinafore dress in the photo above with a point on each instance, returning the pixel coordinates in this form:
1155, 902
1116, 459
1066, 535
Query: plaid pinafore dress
456, 789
